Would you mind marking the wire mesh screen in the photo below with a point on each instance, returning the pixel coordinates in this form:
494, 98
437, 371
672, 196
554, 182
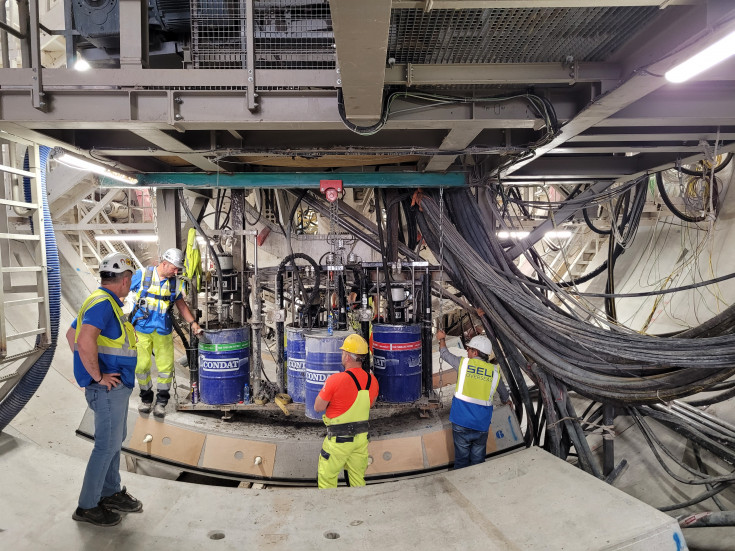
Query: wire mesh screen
218, 39
524, 35
293, 34
288, 34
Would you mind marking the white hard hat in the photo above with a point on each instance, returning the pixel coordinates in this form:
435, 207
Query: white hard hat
116, 263
481, 343
175, 257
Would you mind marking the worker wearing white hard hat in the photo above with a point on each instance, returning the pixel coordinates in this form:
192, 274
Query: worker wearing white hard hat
157, 289
472, 404
103, 344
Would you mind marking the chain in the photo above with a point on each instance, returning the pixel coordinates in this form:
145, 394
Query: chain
176, 388
332, 237
441, 285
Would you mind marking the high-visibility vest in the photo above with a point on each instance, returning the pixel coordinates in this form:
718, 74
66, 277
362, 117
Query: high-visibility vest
193, 261
113, 353
360, 408
155, 297
477, 381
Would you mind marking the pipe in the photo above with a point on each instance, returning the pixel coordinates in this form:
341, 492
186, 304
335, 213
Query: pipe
4, 38
364, 325
730, 427
342, 318
257, 325
16, 183
608, 444
215, 259
427, 372
280, 329
29, 383
700, 520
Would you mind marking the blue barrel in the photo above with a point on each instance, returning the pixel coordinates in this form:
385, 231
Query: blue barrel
397, 362
296, 354
224, 366
323, 358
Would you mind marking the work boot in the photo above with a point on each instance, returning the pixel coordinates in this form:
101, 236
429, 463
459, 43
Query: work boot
122, 501
159, 410
145, 407
99, 516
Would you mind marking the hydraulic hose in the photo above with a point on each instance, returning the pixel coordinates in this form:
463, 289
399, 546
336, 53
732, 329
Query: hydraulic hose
18, 397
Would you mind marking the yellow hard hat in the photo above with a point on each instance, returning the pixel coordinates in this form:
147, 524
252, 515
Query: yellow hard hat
355, 344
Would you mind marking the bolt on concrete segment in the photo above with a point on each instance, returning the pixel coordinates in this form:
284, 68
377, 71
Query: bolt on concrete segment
527, 500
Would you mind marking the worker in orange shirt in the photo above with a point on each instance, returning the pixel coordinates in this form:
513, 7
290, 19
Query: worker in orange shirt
346, 399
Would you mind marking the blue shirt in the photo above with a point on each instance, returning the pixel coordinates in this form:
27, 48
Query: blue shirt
158, 318
102, 316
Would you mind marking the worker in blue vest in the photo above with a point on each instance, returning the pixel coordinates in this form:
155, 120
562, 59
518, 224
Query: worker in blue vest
472, 405
103, 343
157, 289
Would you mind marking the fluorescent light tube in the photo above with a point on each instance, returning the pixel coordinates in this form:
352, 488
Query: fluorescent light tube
698, 63
64, 157
145, 237
559, 234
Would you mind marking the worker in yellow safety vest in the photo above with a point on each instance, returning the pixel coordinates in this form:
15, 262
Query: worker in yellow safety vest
472, 404
157, 289
103, 343
346, 399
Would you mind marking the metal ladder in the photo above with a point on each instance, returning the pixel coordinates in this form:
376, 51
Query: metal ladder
12, 236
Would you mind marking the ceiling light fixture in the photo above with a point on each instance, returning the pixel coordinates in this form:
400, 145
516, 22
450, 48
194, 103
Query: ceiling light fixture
81, 64
698, 63
144, 237
69, 159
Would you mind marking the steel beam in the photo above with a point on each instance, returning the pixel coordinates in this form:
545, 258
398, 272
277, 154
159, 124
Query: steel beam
579, 167
133, 33
623, 148
679, 136
310, 180
183, 151
457, 139
168, 219
500, 73
361, 38
136, 77
224, 110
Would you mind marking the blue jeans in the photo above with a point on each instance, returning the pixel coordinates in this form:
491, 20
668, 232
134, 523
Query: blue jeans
470, 446
102, 477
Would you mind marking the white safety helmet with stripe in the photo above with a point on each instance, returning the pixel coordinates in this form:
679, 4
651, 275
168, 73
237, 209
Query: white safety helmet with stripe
481, 343
116, 263
175, 257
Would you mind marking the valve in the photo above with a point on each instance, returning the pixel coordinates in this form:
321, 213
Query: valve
331, 188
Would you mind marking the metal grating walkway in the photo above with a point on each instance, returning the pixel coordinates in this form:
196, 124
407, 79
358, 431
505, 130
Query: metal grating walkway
524, 35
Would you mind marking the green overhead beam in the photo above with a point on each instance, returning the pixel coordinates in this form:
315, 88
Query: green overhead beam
309, 180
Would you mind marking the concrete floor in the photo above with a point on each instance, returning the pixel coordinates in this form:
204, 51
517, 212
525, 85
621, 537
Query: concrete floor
522, 501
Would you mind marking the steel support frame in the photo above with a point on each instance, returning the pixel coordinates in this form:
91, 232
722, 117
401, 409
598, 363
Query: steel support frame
168, 219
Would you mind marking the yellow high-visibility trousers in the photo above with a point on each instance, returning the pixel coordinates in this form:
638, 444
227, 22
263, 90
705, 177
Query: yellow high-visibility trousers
163, 346
350, 456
